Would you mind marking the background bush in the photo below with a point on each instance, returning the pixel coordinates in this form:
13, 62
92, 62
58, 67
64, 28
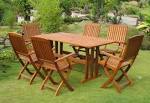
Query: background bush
130, 9
49, 15
146, 43
9, 18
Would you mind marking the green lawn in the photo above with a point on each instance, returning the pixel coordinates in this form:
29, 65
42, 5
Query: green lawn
19, 91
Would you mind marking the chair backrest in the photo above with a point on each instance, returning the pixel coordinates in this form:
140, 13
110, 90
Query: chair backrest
91, 29
117, 32
30, 30
18, 43
133, 46
43, 49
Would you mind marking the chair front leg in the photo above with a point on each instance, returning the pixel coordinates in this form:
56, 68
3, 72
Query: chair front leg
34, 75
50, 78
59, 88
45, 80
66, 76
117, 86
126, 76
22, 63
23, 69
65, 81
122, 75
111, 78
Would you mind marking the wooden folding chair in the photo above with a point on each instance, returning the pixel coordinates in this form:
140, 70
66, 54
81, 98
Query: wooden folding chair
25, 55
117, 33
30, 30
123, 63
90, 30
49, 63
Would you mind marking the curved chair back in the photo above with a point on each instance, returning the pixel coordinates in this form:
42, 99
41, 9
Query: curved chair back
18, 43
30, 30
91, 29
43, 49
133, 46
117, 32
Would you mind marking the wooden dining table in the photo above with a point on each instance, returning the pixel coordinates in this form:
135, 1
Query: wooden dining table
91, 45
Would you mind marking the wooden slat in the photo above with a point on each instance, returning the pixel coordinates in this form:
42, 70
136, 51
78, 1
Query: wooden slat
117, 32
92, 30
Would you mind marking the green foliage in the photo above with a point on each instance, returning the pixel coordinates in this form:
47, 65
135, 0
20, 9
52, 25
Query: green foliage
23, 8
7, 15
69, 19
146, 43
130, 9
110, 4
2, 6
82, 3
143, 3
97, 9
66, 6
49, 15
145, 27
9, 18
7, 54
113, 6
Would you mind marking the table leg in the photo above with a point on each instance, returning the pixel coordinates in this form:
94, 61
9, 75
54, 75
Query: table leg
91, 66
56, 46
61, 48
92, 63
96, 62
86, 66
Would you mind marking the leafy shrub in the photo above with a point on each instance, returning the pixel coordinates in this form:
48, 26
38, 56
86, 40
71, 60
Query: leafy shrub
7, 54
9, 18
69, 19
66, 6
49, 15
145, 27
146, 43
130, 9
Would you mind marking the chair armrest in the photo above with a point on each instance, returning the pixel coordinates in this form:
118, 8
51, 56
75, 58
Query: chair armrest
124, 43
65, 57
110, 55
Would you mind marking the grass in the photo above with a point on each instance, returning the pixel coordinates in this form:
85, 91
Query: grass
19, 91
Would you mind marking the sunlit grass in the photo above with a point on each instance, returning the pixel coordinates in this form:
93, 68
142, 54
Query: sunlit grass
19, 91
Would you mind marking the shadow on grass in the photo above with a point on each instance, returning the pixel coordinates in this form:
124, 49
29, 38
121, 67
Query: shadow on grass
8, 70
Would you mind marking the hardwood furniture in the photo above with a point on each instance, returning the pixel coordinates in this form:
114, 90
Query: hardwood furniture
49, 62
117, 33
30, 30
122, 63
25, 56
89, 43
90, 30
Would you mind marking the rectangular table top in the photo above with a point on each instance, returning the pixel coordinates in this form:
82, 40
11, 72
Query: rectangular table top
75, 39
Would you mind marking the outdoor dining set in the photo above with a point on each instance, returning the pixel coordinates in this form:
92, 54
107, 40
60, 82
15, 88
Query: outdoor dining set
46, 53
